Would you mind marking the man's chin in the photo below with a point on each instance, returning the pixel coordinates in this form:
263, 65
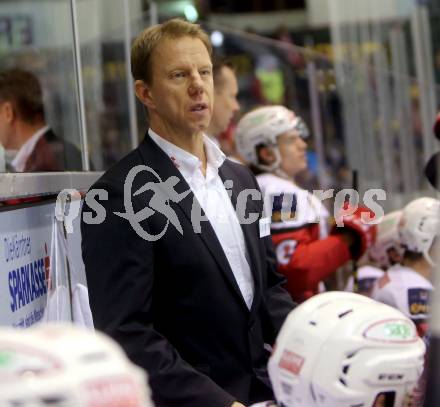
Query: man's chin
203, 127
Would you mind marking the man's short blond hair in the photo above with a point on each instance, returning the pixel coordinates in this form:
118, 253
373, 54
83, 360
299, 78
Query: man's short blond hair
150, 38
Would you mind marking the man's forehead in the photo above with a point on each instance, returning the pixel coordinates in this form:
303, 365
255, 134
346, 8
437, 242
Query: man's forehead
226, 80
182, 48
228, 75
289, 134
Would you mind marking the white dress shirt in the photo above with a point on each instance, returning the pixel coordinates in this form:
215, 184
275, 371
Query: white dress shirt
26, 149
2, 159
215, 202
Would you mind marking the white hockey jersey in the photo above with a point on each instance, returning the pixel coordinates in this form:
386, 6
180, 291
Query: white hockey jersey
405, 289
366, 277
295, 206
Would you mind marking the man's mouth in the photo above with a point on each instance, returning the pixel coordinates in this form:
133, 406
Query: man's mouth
198, 107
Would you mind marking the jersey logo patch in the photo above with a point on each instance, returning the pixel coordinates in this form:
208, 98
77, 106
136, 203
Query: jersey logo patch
285, 250
366, 284
418, 301
283, 207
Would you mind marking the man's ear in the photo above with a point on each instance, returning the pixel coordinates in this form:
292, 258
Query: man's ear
8, 112
266, 155
143, 93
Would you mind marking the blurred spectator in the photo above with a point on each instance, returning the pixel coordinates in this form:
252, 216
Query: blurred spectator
225, 98
226, 105
293, 56
29, 142
271, 78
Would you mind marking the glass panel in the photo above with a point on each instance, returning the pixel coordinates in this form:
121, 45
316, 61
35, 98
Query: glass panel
363, 111
36, 39
104, 26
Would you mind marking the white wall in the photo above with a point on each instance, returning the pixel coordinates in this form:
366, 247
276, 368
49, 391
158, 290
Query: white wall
319, 11
261, 22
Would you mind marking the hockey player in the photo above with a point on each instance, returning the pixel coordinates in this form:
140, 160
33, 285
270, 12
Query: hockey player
342, 349
66, 366
366, 276
385, 252
407, 286
272, 139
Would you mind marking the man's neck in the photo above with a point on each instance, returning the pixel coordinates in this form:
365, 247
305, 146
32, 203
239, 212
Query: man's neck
420, 266
23, 132
212, 132
192, 143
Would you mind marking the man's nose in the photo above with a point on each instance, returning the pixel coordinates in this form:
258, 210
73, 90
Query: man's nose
196, 86
236, 106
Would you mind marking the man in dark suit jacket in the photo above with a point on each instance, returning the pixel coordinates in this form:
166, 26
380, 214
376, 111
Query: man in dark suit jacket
52, 153
23, 127
190, 308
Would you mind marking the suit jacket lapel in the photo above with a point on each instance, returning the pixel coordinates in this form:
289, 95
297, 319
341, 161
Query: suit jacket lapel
155, 157
249, 230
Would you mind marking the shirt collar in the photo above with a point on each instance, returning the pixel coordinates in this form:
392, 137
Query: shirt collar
214, 140
19, 162
186, 162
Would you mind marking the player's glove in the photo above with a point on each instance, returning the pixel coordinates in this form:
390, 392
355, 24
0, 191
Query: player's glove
357, 226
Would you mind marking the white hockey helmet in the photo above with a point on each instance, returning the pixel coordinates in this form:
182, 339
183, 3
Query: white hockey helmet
387, 238
66, 366
419, 225
262, 126
342, 349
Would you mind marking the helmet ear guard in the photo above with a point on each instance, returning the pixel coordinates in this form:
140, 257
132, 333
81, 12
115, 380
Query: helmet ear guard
269, 167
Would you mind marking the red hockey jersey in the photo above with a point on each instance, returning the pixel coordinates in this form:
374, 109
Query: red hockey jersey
305, 253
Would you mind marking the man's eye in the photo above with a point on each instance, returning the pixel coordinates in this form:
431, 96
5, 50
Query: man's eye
205, 72
178, 75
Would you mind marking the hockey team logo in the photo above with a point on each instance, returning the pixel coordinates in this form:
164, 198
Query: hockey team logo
391, 330
283, 207
285, 250
419, 302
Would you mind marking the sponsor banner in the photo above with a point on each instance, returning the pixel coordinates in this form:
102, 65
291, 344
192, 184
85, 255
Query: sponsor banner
25, 238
